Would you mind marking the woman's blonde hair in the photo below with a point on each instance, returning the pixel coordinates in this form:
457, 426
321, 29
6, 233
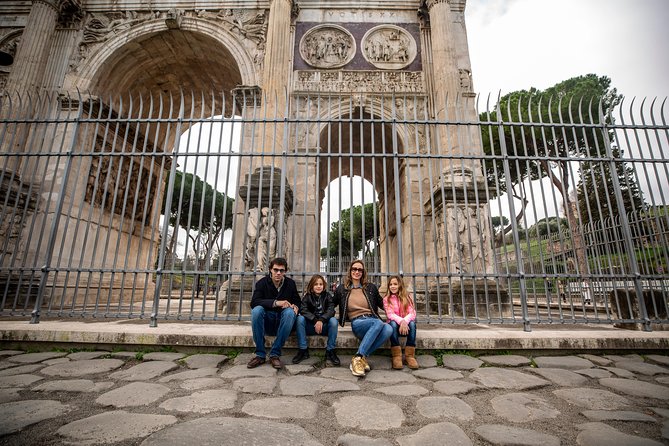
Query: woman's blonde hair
402, 294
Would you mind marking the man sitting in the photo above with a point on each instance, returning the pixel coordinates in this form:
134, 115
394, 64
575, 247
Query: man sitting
274, 306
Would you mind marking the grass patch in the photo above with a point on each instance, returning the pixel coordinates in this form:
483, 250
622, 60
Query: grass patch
72, 350
459, 352
232, 353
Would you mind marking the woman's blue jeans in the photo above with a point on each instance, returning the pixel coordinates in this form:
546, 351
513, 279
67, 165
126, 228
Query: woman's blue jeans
304, 328
372, 333
395, 337
273, 323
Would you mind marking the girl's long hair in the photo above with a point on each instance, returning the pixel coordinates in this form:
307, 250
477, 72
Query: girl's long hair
314, 279
402, 294
348, 281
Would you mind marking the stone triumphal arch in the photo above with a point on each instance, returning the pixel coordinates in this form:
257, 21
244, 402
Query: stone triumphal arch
323, 89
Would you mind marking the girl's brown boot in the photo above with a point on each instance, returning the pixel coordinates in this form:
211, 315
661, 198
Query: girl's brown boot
396, 353
409, 357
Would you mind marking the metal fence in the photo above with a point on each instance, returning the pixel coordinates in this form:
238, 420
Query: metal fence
533, 211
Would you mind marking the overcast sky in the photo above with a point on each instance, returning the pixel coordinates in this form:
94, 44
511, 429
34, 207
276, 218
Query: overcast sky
517, 44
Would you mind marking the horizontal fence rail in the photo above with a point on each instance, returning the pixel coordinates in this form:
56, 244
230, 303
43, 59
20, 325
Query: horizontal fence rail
537, 210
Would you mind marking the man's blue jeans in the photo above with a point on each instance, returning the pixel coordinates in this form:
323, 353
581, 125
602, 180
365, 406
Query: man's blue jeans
305, 328
273, 323
395, 337
372, 333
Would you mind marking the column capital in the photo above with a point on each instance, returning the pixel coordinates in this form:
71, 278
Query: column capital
70, 13
431, 3
294, 9
458, 5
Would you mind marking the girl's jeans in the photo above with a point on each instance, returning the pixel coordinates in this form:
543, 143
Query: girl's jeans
395, 337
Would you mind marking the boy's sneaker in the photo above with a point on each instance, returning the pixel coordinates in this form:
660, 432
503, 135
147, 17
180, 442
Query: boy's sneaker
331, 356
357, 366
301, 355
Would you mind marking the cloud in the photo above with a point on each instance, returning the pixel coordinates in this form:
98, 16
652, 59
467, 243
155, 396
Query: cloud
530, 43
488, 10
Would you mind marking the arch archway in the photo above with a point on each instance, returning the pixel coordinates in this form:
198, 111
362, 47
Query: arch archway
212, 54
126, 178
359, 144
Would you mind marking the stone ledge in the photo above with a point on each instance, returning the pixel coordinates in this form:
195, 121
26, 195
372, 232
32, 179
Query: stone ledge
216, 335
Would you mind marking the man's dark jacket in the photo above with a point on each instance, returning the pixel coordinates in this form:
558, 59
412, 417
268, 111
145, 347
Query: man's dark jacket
265, 293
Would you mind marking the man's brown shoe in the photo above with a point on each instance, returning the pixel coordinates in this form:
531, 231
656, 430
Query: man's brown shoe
275, 361
255, 362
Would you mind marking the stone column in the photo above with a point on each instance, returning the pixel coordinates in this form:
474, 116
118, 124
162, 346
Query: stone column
276, 71
27, 77
452, 81
33, 50
58, 64
444, 57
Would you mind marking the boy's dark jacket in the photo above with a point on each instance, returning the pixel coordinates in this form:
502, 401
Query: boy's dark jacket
309, 307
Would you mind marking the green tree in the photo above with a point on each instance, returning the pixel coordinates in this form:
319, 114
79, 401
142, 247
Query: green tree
548, 226
596, 199
199, 209
354, 232
560, 124
499, 222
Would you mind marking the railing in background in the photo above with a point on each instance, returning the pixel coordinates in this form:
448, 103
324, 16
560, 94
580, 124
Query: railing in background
169, 208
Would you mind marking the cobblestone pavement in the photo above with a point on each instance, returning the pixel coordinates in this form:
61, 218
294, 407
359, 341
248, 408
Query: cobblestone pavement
168, 398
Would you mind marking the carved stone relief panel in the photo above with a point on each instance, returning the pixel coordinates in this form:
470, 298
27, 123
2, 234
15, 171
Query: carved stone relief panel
359, 81
110, 177
309, 56
327, 46
389, 47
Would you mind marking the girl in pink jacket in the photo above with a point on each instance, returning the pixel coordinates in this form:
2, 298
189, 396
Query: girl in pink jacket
401, 313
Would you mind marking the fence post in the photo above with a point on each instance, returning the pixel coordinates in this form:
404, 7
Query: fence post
35, 315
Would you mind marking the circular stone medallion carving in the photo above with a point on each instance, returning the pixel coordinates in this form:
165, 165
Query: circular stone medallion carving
389, 47
327, 46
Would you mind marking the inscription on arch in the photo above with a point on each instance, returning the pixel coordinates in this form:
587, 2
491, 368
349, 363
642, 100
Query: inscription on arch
327, 46
389, 47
